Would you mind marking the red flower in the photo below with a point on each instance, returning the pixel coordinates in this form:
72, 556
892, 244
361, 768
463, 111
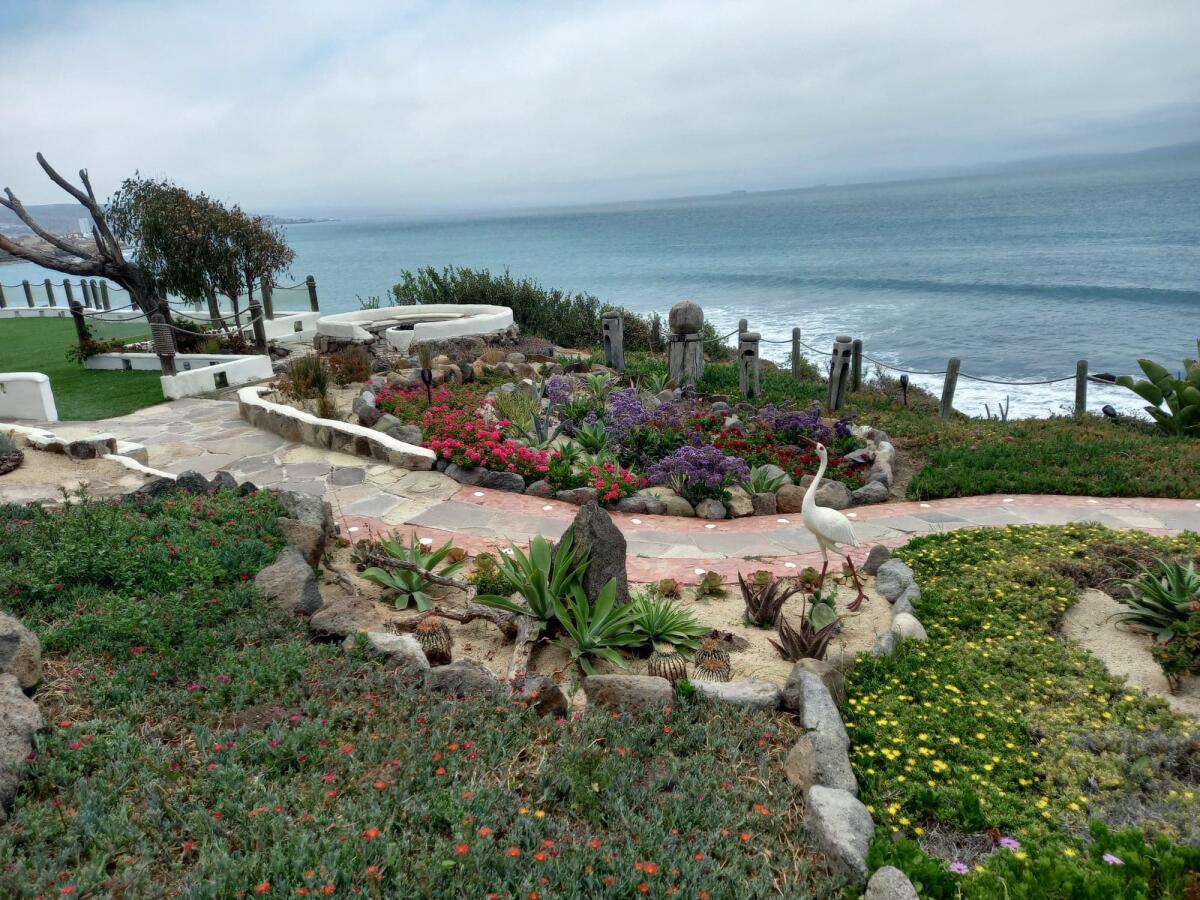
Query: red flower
370, 833
263, 887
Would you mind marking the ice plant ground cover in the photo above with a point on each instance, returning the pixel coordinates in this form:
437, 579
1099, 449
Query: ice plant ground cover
1009, 751
200, 743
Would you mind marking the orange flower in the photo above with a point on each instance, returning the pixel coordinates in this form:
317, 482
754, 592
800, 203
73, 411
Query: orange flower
461, 849
301, 892
745, 836
484, 831
512, 852
643, 888
371, 833
547, 843
761, 810
380, 785
594, 843
540, 856
262, 888
699, 856
439, 771
327, 889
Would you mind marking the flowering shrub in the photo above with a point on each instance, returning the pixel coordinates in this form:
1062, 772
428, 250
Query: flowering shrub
699, 473
759, 447
614, 482
998, 725
90, 347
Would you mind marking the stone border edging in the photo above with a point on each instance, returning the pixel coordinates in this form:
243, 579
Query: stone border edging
129, 454
328, 434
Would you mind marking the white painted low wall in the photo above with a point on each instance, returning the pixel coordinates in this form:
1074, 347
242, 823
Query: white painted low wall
405, 325
27, 395
62, 312
196, 373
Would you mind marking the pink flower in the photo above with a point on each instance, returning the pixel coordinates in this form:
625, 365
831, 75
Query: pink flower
1113, 860
958, 868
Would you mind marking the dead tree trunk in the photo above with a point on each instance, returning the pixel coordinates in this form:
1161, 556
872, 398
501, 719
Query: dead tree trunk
104, 260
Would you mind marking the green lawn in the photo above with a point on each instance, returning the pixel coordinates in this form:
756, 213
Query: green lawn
40, 345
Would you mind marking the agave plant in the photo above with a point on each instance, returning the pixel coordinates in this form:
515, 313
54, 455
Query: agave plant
540, 432
592, 437
661, 621
761, 481
764, 599
657, 382
1163, 597
408, 586
1175, 402
542, 577
818, 625
599, 385
596, 630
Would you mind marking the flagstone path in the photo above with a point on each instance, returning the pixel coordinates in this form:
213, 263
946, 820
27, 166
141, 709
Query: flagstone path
372, 499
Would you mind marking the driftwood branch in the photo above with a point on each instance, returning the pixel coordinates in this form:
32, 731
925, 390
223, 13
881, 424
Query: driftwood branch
10, 200
528, 632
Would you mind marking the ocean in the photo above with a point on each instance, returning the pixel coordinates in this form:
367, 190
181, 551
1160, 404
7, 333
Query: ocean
1020, 275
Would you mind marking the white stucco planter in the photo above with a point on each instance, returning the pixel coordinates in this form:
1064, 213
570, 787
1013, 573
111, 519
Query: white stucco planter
403, 326
302, 427
27, 395
196, 373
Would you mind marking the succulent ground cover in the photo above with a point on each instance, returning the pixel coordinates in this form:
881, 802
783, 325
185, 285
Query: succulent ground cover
200, 743
1009, 754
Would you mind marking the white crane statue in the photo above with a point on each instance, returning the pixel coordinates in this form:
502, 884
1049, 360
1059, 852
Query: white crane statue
829, 527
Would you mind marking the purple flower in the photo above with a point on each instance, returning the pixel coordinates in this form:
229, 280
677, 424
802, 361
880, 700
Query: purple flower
792, 426
1010, 843
698, 472
958, 868
558, 389
1113, 860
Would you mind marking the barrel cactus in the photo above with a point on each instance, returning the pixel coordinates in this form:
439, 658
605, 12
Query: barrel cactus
1175, 402
667, 662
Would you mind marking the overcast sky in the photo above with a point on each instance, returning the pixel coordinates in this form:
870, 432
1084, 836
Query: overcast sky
412, 107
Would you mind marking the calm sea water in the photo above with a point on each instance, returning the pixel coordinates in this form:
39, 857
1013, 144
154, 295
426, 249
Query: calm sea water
1019, 275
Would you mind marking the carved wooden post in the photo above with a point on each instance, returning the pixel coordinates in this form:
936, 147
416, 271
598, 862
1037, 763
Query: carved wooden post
3, 299
50, 293
164, 343
69, 291
28, 292
685, 343
1081, 376
743, 327
748, 363
256, 322
796, 353
855, 364
268, 300
81, 329
946, 409
311, 283
87, 295
613, 337
839, 372
103, 293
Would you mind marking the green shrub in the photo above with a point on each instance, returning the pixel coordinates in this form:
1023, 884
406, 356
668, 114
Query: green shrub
307, 379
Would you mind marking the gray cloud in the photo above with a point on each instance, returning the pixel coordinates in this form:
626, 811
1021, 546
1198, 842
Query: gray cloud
426, 106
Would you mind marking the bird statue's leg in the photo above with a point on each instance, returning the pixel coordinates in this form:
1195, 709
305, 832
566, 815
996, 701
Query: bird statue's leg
857, 602
821, 580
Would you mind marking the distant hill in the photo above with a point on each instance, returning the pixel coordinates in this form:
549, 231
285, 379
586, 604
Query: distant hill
59, 218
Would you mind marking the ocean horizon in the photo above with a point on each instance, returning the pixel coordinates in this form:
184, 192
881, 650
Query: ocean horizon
1018, 274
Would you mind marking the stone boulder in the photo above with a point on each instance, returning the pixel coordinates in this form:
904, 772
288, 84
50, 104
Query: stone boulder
833, 494
579, 496
596, 534
831, 676
20, 719
542, 693
710, 509
773, 471
818, 759
808, 697
368, 415
400, 651
877, 557
842, 827
92, 447
486, 478
764, 504
406, 433
906, 627
889, 883
741, 504
309, 540
628, 691
464, 678
308, 510
192, 482
20, 652
223, 481
871, 492
892, 578
789, 498
290, 583
752, 693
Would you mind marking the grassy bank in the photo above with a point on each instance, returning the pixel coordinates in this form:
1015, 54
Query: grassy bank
201, 744
40, 345
1010, 752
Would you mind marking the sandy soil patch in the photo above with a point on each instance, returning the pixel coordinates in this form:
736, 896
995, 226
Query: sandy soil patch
1090, 622
43, 476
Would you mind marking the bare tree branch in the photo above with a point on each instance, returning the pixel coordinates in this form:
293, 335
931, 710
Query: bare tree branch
23, 214
51, 261
528, 632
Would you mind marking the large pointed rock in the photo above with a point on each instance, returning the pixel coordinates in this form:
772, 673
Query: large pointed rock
596, 534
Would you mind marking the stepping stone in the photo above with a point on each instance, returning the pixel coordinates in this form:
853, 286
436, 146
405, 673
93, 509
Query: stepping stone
347, 476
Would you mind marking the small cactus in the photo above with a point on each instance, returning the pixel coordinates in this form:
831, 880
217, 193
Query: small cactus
712, 584
434, 637
710, 648
667, 662
712, 668
669, 587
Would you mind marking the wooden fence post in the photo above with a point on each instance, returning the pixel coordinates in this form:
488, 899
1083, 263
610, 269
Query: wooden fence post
103, 293
69, 291
748, 380
87, 295
164, 343
256, 322
28, 292
1081, 376
81, 329
743, 327
50, 293
311, 283
839, 372
613, 338
268, 302
855, 364
947, 405
796, 353
3, 299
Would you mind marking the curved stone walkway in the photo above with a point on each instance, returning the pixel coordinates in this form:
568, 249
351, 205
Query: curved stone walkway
374, 499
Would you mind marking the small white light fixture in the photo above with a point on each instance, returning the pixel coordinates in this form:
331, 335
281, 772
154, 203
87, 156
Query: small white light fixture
698, 571
925, 506
783, 521
354, 528
710, 525
547, 507
851, 515
478, 493
1093, 501
636, 521
1007, 500
789, 565
426, 542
